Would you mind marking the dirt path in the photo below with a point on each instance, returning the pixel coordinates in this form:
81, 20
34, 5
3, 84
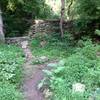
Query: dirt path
32, 76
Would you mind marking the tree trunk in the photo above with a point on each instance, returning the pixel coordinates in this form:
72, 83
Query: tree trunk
62, 17
2, 37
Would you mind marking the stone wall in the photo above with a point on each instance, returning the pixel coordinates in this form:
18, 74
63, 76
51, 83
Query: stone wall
17, 40
49, 26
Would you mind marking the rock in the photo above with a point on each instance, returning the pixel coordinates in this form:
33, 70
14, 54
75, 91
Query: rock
40, 60
97, 91
52, 65
55, 64
91, 98
95, 95
24, 44
62, 62
78, 87
47, 93
43, 59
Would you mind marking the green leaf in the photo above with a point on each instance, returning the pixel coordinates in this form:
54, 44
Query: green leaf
97, 32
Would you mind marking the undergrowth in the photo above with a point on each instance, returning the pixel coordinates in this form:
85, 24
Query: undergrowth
11, 60
81, 65
52, 46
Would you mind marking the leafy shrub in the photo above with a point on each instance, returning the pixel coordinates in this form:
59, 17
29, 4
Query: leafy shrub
88, 9
11, 60
88, 49
55, 47
80, 67
86, 12
76, 67
9, 92
97, 32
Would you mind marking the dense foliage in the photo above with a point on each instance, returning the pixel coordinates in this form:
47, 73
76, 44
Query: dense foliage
86, 12
78, 64
80, 67
88, 9
52, 45
9, 92
77, 60
11, 60
18, 15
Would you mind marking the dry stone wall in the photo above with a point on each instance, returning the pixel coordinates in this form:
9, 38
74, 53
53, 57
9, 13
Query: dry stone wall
17, 40
49, 26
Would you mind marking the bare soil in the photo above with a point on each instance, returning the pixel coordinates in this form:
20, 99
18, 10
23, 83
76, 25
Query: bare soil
32, 76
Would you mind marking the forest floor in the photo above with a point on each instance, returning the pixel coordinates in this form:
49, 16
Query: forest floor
33, 74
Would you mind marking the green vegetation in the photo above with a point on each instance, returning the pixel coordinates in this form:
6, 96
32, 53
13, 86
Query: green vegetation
18, 15
80, 65
79, 58
53, 46
86, 13
11, 60
9, 92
